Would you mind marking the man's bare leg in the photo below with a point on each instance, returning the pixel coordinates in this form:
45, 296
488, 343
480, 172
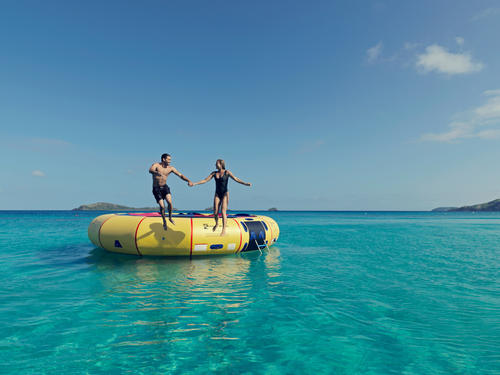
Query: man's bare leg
168, 198
224, 213
162, 213
216, 212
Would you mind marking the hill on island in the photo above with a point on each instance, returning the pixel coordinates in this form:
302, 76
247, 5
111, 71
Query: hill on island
104, 206
491, 206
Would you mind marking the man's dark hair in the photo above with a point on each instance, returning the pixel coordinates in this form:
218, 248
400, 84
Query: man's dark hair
164, 156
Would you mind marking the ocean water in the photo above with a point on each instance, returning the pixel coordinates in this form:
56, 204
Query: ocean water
340, 293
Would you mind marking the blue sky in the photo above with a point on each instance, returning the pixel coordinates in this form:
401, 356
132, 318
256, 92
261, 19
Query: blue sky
341, 105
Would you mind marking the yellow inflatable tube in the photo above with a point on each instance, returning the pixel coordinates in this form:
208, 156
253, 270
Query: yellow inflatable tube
192, 234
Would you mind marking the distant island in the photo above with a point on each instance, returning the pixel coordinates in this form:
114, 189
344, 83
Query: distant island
103, 206
273, 209
489, 206
444, 209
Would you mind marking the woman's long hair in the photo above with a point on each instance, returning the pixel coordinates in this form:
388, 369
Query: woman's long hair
221, 162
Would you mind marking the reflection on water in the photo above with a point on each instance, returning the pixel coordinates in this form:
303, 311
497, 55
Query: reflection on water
178, 299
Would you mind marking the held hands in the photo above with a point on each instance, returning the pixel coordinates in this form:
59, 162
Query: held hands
190, 184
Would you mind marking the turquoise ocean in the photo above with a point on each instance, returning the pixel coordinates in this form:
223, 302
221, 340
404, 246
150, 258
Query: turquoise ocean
340, 293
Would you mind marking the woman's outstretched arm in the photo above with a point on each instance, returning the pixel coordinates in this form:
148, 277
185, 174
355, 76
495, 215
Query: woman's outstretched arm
238, 180
210, 176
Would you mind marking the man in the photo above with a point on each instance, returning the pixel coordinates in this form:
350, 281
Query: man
161, 191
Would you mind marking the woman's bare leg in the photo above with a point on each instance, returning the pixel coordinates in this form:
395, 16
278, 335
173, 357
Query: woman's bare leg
216, 211
224, 204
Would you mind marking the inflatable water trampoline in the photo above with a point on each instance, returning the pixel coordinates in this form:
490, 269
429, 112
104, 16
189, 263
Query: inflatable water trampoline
192, 234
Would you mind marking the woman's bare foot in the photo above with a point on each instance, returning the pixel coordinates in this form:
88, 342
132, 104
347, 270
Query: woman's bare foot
170, 219
223, 233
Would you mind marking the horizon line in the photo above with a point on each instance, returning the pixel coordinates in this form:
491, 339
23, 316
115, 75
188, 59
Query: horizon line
263, 210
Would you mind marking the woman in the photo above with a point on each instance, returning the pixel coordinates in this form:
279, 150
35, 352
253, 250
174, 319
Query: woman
221, 198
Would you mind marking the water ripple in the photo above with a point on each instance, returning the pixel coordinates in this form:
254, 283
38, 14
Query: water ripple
401, 293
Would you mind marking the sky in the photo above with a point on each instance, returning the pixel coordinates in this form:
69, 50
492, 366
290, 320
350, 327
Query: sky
321, 105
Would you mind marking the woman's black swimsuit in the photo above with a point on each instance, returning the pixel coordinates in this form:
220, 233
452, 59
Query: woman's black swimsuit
221, 184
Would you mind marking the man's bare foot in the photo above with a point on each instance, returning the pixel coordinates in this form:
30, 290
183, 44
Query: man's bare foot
223, 233
170, 219
164, 225
214, 228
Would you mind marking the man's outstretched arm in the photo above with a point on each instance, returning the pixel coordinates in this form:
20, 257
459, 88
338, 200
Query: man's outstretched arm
181, 176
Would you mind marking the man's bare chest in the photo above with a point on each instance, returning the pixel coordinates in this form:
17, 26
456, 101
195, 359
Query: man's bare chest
164, 171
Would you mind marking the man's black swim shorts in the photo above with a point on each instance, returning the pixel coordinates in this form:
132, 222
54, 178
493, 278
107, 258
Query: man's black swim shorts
160, 192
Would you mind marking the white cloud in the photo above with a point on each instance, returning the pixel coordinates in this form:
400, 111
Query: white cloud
373, 53
437, 58
38, 173
434, 58
457, 130
491, 92
489, 134
485, 13
474, 123
491, 109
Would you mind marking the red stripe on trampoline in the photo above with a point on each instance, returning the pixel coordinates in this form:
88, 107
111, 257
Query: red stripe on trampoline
241, 236
135, 237
191, 248
99, 233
